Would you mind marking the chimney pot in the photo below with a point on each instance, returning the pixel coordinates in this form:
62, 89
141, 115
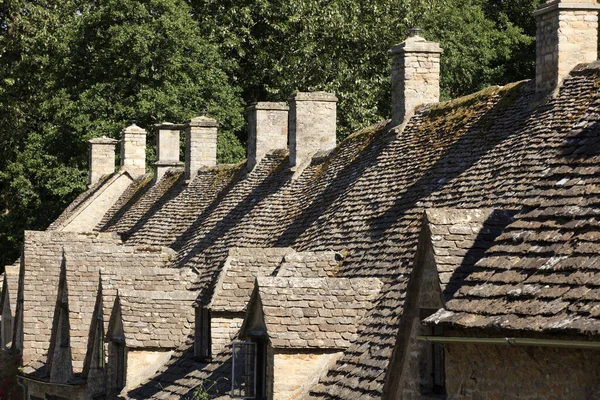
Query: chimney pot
102, 158
312, 126
415, 75
267, 130
200, 145
133, 150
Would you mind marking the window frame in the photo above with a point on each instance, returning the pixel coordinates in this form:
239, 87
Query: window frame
202, 334
248, 362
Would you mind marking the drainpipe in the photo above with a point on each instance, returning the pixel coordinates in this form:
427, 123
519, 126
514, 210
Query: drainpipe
511, 341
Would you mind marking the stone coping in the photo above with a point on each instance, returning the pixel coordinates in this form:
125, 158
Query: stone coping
416, 44
103, 140
202, 121
560, 5
314, 96
266, 105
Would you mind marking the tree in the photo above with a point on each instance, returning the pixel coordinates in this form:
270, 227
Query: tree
341, 46
75, 70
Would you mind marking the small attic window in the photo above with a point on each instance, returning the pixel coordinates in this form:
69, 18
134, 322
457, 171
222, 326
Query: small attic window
243, 376
202, 343
432, 369
100, 342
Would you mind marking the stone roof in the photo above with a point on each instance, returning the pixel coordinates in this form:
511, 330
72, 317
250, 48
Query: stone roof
156, 319
85, 254
321, 313
80, 202
243, 265
486, 150
183, 373
543, 272
459, 238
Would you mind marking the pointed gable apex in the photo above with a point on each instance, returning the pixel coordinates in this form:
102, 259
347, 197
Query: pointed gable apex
59, 365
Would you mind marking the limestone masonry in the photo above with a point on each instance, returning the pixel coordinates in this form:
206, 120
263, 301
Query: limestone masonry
451, 252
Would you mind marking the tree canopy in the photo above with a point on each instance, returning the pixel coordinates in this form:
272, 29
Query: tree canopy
78, 69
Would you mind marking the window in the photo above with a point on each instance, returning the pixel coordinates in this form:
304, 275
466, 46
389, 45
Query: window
243, 376
431, 360
100, 341
6, 329
202, 336
120, 364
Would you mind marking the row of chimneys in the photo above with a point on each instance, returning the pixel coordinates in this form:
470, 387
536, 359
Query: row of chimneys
311, 118
567, 34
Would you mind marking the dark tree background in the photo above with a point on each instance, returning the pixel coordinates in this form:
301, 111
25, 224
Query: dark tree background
73, 70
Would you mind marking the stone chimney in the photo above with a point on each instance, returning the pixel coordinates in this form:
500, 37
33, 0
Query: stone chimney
200, 145
567, 34
312, 126
267, 130
133, 150
167, 148
415, 75
102, 158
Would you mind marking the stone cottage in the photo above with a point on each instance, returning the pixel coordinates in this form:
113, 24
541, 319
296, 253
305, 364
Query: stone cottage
450, 252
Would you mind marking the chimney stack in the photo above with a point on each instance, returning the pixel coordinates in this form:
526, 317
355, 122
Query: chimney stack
267, 130
415, 75
167, 148
133, 150
200, 145
567, 34
102, 158
312, 126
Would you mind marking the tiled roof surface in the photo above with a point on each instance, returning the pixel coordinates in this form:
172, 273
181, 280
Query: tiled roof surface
140, 201
459, 238
311, 264
543, 272
241, 268
85, 254
180, 377
156, 319
482, 151
321, 313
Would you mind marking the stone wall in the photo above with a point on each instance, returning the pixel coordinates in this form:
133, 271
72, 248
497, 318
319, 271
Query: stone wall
567, 34
295, 373
483, 372
415, 76
90, 214
223, 328
312, 126
141, 365
167, 148
267, 130
40, 389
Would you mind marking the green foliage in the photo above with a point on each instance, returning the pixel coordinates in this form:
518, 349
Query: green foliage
70, 71
77, 69
341, 46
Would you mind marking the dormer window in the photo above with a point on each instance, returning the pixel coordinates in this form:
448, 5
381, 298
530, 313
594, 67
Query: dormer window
202, 342
118, 343
6, 325
243, 382
432, 370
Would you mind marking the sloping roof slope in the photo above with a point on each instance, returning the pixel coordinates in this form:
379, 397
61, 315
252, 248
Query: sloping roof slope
321, 313
482, 151
459, 238
543, 273
156, 319
243, 265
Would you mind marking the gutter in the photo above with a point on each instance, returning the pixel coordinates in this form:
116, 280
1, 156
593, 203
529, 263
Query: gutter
511, 341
